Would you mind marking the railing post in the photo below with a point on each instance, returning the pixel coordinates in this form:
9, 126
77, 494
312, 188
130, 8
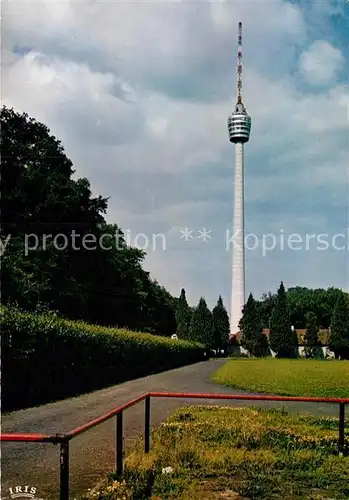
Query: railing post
64, 470
341, 427
147, 425
119, 445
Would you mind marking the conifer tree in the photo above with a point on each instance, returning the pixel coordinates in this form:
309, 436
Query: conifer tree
253, 338
312, 345
339, 334
282, 340
221, 327
183, 316
201, 327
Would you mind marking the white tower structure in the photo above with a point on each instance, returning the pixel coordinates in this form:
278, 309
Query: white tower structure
239, 127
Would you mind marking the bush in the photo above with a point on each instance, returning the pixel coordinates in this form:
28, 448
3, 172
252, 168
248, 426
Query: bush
45, 358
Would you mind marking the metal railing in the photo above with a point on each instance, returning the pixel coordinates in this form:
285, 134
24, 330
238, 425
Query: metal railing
64, 439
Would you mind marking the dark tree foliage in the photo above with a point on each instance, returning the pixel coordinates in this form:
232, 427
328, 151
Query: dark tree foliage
159, 309
282, 340
321, 302
58, 252
38, 199
221, 327
252, 337
266, 306
183, 316
339, 335
302, 300
312, 344
201, 325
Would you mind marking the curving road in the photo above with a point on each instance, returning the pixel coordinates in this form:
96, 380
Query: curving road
92, 453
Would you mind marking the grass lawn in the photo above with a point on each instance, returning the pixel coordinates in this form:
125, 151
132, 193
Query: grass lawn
214, 452
287, 377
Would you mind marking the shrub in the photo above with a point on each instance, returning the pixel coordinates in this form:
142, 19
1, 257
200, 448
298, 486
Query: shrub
46, 358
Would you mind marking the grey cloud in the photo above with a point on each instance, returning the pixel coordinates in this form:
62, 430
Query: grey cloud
183, 49
141, 147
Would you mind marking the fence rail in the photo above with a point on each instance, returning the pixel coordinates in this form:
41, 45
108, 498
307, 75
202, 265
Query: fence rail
64, 439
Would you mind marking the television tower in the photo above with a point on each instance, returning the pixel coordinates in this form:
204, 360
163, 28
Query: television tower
239, 127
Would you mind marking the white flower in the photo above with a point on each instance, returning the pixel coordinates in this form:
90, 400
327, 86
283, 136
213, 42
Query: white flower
167, 470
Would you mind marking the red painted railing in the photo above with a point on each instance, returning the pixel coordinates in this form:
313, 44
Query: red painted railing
194, 395
63, 439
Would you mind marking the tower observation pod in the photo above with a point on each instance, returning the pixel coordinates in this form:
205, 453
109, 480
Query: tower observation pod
239, 128
239, 125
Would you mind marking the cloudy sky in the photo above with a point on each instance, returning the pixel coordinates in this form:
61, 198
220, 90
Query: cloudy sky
139, 94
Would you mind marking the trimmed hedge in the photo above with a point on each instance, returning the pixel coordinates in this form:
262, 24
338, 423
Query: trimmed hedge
47, 358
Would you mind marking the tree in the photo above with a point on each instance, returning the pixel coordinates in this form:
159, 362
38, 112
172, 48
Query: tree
266, 306
77, 264
183, 316
39, 199
282, 340
312, 345
302, 300
253, 338
159, 310
339, 334
221, 327
201, 327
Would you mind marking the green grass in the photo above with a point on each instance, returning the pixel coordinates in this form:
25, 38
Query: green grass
288, 377
216, 452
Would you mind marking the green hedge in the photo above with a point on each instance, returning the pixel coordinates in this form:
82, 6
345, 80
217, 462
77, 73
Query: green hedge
46, 358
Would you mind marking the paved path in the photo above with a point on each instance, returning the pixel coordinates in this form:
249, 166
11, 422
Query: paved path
92, 453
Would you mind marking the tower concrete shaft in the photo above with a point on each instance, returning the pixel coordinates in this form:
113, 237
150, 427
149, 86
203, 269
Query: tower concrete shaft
238, 264
239, 128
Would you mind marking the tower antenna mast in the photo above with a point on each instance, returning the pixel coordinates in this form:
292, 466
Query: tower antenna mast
239, 66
